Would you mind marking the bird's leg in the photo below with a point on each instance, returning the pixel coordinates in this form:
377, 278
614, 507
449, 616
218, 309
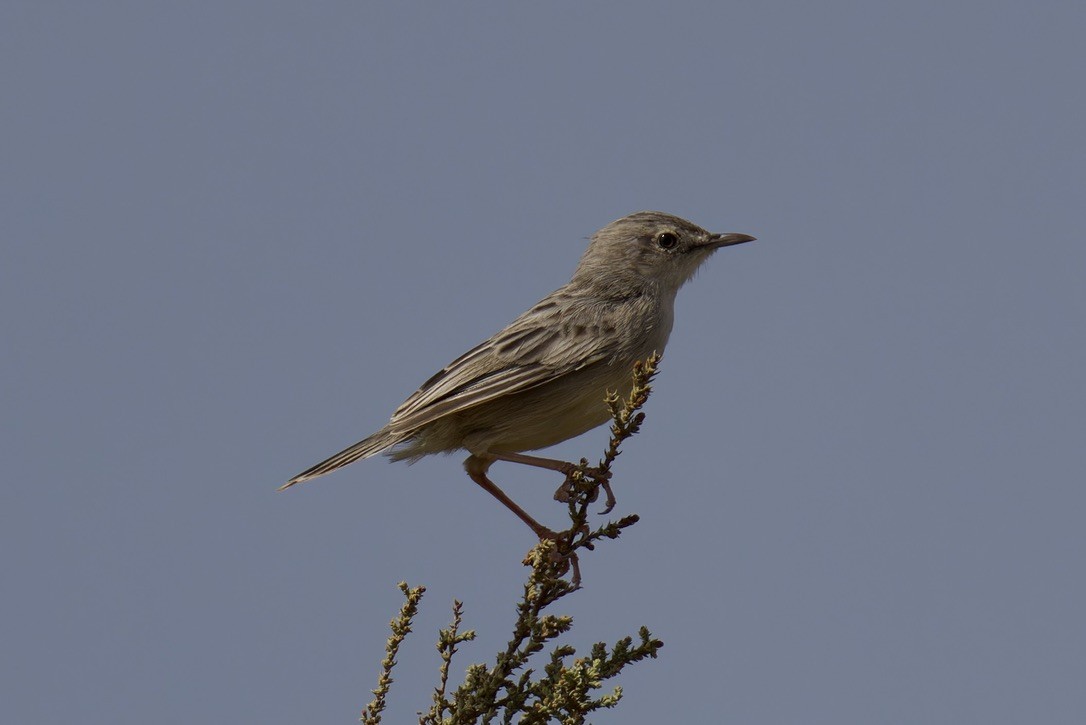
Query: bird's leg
551, 464
566, 469
476, 466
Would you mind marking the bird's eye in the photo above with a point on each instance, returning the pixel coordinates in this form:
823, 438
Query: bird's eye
667, 240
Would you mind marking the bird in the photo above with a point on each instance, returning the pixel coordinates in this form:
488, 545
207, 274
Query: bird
543, 378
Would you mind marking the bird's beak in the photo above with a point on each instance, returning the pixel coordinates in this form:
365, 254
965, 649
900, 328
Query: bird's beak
726, 240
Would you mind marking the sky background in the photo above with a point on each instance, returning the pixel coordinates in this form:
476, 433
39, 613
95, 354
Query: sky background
237, 235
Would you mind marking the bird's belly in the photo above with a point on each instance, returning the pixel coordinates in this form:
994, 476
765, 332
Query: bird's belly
546, 415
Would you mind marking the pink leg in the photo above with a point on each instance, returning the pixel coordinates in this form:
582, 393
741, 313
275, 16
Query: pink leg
476, 468
550, 464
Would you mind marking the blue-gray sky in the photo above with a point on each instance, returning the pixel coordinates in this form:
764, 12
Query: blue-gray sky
237, 235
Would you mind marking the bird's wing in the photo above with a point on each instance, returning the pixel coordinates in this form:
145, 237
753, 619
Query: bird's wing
552, 339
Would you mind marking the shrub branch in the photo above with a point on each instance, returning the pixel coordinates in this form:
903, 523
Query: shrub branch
567, 688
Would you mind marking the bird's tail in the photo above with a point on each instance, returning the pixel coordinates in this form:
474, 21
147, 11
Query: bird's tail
376, 443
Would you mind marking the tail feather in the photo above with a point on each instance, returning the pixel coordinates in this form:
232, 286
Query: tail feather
373, 445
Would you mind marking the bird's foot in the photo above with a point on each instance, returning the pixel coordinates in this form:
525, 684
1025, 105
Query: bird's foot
600, 476
611, 500
594, 472
562, 553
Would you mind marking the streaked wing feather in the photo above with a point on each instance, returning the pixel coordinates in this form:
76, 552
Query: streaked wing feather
501, 382
534, 350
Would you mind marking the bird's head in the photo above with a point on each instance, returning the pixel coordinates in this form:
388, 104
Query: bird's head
648, 249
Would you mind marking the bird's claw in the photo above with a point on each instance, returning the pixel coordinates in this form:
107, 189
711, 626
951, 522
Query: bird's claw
611, 500
599, 476
567, 563
567, 489
562, 553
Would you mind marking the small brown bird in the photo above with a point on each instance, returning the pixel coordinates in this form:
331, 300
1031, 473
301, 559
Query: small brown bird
543, 379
